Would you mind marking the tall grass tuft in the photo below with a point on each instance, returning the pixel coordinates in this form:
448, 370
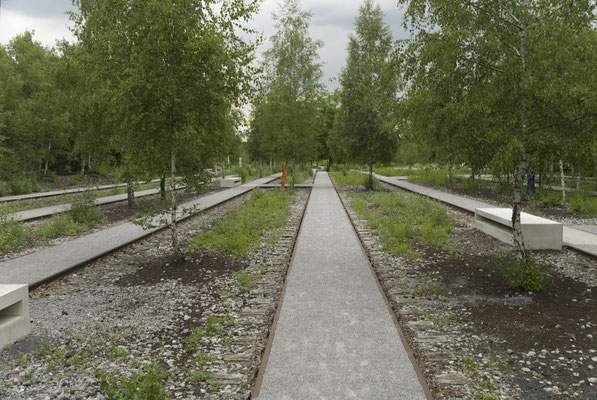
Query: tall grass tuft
238, 234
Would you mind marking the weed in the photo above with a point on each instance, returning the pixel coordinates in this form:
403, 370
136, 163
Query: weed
239, 233
427, 287
147, 385
83, 210
59, 225
371, 183
398, 220
525, 273
200, 376
245, 280
12, 232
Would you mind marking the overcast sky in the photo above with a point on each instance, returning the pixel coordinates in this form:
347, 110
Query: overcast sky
332, 22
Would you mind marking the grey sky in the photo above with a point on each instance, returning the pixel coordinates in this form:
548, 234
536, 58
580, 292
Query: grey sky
332, 22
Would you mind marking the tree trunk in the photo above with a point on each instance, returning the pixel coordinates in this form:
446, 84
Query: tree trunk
130, 190
82, 166
173, 226
450, 174
89, 162
578, 181
47, 159
260, 168
371, 175
328, 168
563, 182
520, 175
344, 169
517, 206
223, 172
271, 169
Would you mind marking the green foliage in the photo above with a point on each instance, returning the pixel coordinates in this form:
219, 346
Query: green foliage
214, 325
401, 220
286, 115
239, 232
147, 385
582, 203
369, 84
59, 225
526, 273
351, 179
12, 232
22, 185
371, 183
83, 210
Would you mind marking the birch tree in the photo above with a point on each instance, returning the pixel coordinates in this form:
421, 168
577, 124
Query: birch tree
174, 69
292, 85
369, 86
505, 53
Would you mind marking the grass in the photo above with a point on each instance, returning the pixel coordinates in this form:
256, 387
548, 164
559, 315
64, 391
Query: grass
12, 232
239, 233
351, 179
82, 215
400, 221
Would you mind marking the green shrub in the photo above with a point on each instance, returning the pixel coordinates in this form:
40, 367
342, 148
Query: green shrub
84, 211
59, 225
371, 183
22, 185
526, 274
147, 385
12, 232
583, 203
4, 189
545, 198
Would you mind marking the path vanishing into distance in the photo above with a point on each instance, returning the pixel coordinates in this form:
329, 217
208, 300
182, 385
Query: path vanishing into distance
336, 336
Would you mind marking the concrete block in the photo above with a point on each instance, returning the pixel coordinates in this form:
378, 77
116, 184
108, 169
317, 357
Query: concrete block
231, 181
14, 313
538, 233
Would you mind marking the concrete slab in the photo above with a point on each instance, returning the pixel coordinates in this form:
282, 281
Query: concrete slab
230, 182
538, 233
34, 269
14, 314
586, 228
580, 240
43, 212
335, 337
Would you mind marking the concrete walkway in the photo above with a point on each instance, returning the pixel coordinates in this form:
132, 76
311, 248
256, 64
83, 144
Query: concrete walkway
580, 239
335, 338
36, 213
36, 268
53, 193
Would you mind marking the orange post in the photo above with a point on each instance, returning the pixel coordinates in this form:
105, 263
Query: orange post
283, 173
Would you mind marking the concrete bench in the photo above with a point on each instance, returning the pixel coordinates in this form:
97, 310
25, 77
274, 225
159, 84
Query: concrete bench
230, 182
14, 313
538, 233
